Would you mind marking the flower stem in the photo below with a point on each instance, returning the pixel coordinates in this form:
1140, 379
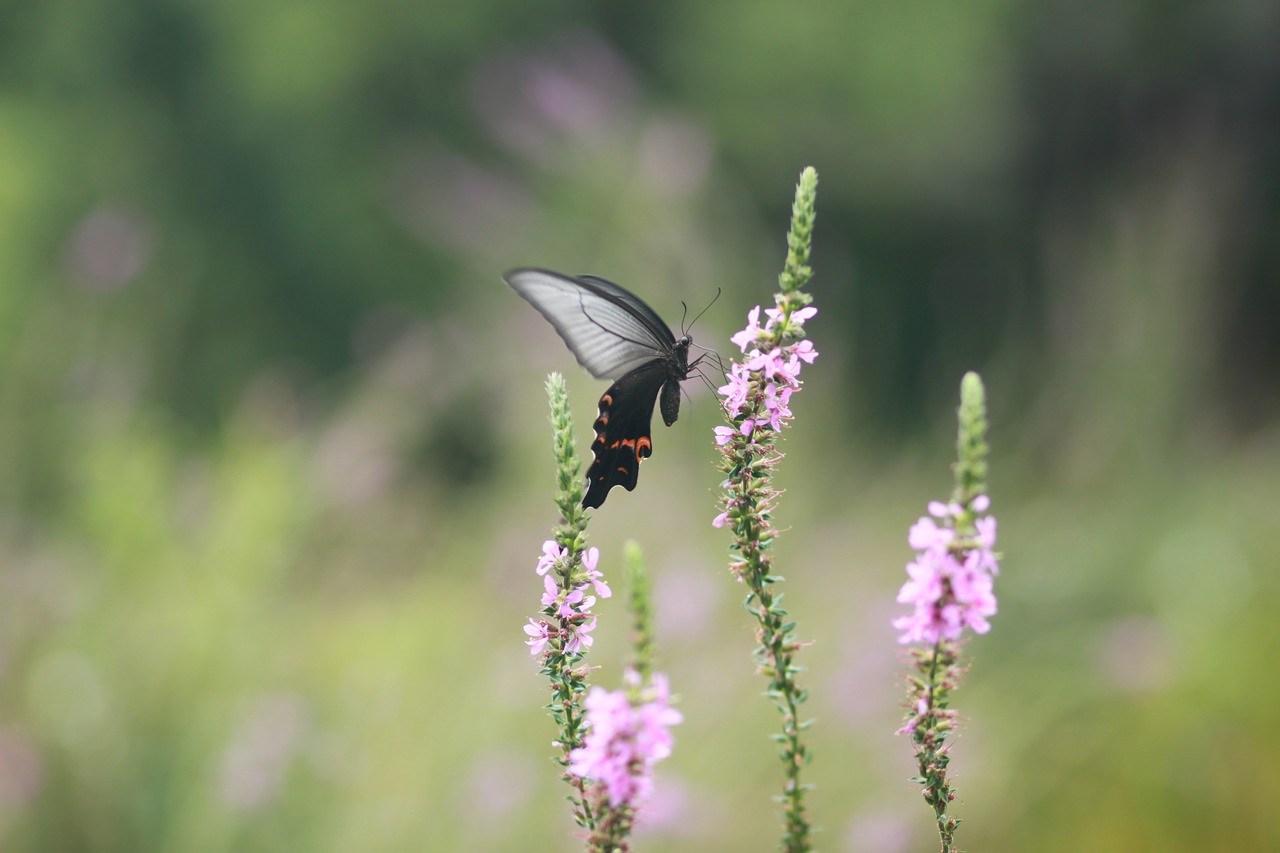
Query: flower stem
641, 605
932, 722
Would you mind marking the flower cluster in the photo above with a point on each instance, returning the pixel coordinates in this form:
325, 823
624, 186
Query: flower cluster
952, 575
776, 369
758, 393
625, 738
568, 621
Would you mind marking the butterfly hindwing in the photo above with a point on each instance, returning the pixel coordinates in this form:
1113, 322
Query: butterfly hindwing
622, 432
614, 335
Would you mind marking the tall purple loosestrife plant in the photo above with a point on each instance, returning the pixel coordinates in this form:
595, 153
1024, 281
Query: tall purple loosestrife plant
756, 403
562, 635
609, 741
950, 588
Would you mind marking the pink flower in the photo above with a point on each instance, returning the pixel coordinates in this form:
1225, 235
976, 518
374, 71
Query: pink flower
580, 637
593, 577
950, 582
550, 553
765, 362
551, 591
804, 351
576, 603
567, 604
775, 404
624, 741
925, 585
736, 389
925, 535
540, 635
940, 510
986, 540
797, 317
751, 333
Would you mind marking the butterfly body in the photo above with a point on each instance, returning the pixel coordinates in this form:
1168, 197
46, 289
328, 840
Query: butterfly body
616, 336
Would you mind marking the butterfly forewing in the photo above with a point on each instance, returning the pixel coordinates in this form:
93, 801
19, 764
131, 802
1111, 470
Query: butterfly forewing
636, 306
615, 335
610, 331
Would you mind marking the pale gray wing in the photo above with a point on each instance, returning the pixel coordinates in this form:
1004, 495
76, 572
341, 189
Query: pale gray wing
605, 326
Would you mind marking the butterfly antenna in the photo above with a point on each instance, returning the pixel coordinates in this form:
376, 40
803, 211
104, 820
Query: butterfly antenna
706, 351
685, 329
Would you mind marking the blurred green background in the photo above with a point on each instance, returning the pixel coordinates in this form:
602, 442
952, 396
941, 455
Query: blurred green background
274, 459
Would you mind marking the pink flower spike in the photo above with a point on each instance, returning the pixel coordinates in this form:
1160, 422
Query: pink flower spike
624, 741
950, 581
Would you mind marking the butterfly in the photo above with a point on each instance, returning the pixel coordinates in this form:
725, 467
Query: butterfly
614, 335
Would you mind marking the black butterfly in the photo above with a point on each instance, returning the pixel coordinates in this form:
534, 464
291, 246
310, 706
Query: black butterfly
615, 335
